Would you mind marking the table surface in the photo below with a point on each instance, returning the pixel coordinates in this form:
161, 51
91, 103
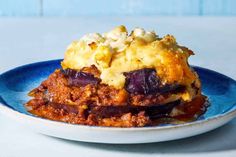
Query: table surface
27, 40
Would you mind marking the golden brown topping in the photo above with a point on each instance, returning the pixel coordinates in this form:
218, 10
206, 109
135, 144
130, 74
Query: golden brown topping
116, 52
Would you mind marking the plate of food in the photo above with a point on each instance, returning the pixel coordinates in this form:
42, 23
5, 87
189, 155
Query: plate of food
119, 88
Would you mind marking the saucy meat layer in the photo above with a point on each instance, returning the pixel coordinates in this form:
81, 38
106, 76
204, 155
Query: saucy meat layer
62, 97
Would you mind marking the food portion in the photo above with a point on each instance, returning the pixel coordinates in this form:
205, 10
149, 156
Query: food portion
121, 80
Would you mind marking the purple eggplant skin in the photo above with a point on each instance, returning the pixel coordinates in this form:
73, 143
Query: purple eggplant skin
77, 78
143, 81
146, 81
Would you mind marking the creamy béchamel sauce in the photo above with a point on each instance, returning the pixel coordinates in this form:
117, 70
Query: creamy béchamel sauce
116, 52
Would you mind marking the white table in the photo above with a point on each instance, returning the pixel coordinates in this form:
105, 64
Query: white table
29, 40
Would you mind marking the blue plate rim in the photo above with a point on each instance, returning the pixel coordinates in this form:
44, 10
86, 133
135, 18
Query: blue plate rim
55, 60
232, 111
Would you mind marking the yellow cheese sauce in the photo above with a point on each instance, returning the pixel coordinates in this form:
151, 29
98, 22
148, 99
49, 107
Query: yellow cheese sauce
116, 52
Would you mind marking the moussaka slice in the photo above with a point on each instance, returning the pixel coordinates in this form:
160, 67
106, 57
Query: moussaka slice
121, 80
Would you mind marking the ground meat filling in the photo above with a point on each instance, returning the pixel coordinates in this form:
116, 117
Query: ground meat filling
81, 98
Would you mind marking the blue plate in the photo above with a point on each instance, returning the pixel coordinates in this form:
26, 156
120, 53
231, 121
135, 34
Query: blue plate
16, 83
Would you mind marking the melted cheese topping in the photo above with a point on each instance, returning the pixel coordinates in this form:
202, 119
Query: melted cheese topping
116, 52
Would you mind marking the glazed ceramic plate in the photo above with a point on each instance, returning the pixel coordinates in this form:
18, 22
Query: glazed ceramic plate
16, 83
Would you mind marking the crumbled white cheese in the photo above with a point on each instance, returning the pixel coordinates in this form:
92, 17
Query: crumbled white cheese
92, 37
145, 35
118, 38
